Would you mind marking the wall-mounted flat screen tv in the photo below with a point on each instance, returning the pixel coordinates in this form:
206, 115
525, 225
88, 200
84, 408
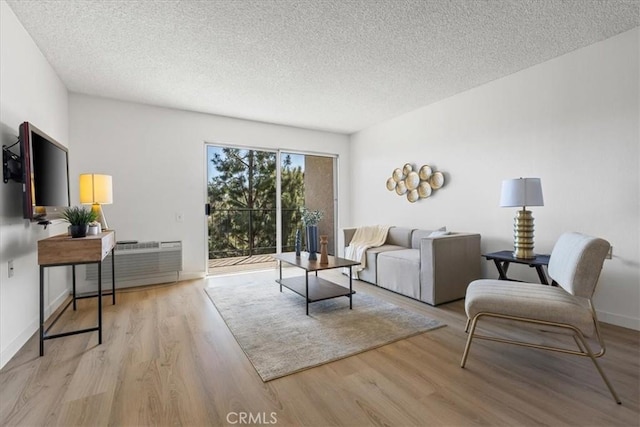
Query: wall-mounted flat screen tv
45, 174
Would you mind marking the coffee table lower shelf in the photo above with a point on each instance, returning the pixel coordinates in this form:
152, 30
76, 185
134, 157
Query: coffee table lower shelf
319, 288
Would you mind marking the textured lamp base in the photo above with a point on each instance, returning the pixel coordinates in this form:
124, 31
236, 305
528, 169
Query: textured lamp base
523, 235
97, 208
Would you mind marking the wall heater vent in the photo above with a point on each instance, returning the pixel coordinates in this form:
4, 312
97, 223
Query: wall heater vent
148, 262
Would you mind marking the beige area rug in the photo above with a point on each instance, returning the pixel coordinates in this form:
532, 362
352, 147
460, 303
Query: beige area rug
280, 339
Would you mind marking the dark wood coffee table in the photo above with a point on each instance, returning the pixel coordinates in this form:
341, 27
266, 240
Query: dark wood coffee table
314, 288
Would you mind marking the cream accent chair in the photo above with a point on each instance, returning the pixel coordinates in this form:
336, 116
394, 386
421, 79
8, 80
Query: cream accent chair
575, 265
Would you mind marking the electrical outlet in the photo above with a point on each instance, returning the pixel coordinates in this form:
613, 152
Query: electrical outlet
10, 268
610, 253
179, 217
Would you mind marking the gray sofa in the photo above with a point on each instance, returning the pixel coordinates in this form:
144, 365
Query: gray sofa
433, 269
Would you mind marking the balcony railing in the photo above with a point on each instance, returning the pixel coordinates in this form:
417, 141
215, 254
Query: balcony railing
248, 232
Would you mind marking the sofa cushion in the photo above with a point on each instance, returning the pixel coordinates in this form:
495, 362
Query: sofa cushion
369, 274
418, 235
399, 236
399, 271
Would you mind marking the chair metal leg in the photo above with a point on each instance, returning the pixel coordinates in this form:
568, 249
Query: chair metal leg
581, 342
466, 327
469, 338
602, 374
575, 338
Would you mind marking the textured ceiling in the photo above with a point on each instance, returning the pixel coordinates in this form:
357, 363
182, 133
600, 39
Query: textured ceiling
339, 65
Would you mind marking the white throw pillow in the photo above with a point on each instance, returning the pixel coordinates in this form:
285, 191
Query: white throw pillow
439, 232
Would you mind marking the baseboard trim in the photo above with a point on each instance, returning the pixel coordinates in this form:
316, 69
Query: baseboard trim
619, 320
191, 275
34, 326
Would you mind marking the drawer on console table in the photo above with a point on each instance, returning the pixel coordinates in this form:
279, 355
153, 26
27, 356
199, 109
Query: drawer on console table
64, 249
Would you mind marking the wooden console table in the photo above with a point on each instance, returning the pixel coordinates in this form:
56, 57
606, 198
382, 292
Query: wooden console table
64, 250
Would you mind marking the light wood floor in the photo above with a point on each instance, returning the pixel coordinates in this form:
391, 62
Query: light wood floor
168, 359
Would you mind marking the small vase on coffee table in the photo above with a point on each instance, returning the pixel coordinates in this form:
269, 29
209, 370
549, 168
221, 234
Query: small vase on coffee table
312, 242
324, 255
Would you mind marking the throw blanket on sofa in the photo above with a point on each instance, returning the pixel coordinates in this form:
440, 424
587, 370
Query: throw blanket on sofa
363, 239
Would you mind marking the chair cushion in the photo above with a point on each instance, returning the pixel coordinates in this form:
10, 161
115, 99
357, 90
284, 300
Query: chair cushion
576, 262
529, 300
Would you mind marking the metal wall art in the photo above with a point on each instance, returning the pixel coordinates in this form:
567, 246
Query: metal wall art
415, 184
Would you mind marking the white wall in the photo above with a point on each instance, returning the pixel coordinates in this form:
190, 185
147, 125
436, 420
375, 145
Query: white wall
29, 91
157, 159
572, 121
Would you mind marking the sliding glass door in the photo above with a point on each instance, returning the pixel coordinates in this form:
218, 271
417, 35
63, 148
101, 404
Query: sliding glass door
249, 190
241, 190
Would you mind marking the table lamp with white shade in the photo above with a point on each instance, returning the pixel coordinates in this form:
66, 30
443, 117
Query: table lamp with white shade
97, 190
522, 192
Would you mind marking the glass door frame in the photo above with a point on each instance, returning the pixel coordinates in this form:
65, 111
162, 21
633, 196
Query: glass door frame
279, 152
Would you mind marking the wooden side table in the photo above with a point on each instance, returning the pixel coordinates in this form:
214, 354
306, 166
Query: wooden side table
502, 259
64, 250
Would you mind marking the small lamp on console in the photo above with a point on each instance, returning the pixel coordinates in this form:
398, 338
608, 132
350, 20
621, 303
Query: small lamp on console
522, 192
96, 189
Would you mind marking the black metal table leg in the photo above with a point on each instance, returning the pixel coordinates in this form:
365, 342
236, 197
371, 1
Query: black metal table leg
350, 290
502, 268
541, 275
73, 281
306, 296
100, 302
41, 311
113, 276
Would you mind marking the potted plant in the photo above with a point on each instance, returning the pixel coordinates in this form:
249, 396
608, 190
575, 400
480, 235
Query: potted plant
79, 217
310, 220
